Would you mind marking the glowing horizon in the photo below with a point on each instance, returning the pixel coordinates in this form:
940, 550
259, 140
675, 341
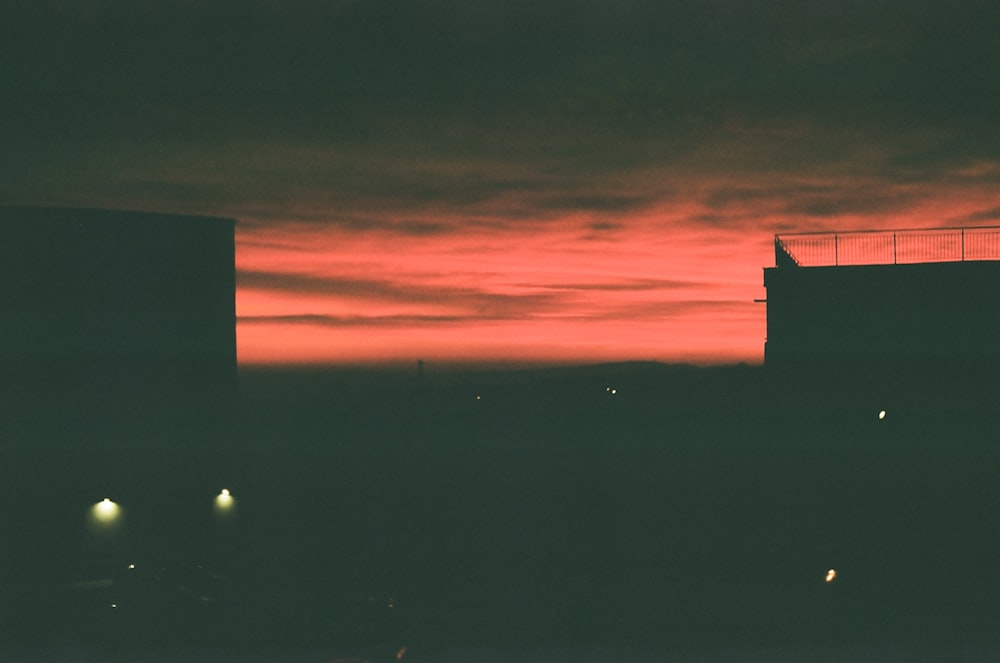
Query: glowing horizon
570, 289
537, 295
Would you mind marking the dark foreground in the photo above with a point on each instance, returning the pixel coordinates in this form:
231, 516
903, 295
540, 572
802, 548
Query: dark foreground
636, 512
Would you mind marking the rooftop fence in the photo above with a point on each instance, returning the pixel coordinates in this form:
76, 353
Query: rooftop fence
888, 247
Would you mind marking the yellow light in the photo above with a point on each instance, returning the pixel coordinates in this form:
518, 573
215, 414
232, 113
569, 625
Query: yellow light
224, 502
831, 575
105, 511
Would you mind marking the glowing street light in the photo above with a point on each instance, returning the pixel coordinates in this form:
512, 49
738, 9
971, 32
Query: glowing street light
224, 502
831, 575
106, 511
881, 415
105, 520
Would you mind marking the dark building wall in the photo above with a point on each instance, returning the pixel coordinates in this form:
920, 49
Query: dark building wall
106, 311
883, 314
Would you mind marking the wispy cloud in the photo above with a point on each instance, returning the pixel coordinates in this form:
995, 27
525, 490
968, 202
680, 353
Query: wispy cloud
352, 321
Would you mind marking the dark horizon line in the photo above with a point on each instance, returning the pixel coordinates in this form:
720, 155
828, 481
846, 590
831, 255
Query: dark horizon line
448, 366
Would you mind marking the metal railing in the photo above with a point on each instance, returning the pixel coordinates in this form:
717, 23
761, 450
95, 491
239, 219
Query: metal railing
888, 247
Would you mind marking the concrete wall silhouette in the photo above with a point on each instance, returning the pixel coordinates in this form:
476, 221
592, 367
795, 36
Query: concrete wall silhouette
111, 315
877, 315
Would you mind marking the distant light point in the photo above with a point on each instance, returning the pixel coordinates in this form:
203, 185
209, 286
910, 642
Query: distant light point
831, 575
881, 414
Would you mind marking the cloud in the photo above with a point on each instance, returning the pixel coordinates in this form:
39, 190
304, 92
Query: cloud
985, 215
351, 321
865, 200
415, 290
624, 285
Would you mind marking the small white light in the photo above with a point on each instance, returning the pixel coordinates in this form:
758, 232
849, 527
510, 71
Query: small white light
831, 575
224, 492
881, 414
614, 391
131, 566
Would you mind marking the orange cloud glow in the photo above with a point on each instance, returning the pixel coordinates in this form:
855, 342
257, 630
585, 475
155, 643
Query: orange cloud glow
673, 281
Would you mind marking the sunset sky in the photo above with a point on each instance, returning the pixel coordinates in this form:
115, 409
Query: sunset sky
512, 180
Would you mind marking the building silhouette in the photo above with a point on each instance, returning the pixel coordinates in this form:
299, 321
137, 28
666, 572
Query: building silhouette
864, 300
112, 317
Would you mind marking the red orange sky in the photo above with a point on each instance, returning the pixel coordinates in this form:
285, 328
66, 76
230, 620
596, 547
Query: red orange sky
643, 284
518, 182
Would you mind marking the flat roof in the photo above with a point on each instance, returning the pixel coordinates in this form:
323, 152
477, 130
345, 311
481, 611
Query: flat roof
887, 247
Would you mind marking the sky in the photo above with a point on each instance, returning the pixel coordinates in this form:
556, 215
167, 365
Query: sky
471, 181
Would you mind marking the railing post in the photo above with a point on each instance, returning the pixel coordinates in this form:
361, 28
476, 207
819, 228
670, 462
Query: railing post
836, 250
893, 248
963, 244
